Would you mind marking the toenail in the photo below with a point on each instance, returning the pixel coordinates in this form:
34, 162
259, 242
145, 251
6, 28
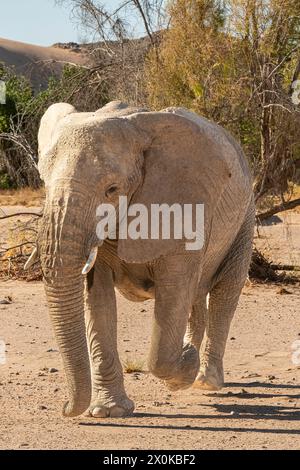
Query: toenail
100, 412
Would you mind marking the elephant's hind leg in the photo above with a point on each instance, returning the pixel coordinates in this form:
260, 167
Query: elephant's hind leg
223, 301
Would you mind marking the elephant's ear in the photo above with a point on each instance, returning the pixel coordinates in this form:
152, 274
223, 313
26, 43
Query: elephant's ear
49, 123
184, 164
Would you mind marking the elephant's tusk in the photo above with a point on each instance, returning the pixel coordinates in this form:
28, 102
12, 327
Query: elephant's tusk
91, 260
33, 258
207, 300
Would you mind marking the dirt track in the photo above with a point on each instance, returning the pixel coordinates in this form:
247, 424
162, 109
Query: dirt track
258, 409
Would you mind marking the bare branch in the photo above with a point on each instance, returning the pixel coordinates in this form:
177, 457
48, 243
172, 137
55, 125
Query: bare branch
278, 208
18, 214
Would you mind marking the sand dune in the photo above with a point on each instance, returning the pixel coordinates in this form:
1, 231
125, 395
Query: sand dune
37, 62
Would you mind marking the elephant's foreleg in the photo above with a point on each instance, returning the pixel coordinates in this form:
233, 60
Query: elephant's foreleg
171, 359
108, 394
223, 301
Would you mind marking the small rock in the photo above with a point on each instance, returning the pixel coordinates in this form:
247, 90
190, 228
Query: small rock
283, 291
42, 407
251, 375
271, 377
52, 370
232, 338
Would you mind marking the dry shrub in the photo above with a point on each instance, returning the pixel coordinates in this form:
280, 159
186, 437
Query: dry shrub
13, 269
130, 366
20, 243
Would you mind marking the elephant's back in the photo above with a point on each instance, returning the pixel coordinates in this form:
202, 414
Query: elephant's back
228, 148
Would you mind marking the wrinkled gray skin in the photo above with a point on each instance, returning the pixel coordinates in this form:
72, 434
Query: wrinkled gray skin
152, 157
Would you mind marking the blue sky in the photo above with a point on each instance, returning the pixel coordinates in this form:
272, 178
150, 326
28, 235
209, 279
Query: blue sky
38, 22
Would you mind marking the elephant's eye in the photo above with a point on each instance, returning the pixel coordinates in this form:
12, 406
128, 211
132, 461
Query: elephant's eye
111, 190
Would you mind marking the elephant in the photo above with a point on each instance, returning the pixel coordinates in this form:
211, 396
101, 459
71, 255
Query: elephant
151, 157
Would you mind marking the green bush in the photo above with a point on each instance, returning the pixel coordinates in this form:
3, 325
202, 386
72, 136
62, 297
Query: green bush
5, 182
18, 95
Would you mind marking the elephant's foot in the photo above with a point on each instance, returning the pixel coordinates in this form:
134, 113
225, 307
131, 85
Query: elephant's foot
211, 375
183, 375
114, 408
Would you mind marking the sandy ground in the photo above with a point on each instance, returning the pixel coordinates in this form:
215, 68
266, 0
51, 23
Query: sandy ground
258, 409
279, 238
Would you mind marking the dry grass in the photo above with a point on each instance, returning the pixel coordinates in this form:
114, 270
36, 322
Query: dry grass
130, 366
22, 197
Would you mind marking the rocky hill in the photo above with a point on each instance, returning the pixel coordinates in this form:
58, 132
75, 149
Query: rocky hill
37, 62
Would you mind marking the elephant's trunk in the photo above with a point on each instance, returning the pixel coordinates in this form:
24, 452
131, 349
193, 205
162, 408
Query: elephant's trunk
67, 316
62, 248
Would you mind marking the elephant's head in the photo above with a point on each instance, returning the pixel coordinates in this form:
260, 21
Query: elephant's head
86, 159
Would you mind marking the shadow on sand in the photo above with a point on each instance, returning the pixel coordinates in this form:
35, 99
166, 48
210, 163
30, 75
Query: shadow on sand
231, 413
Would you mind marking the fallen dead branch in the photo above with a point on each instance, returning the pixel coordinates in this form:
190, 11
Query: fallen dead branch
285, 267
261, 269
18, 214
285, 206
